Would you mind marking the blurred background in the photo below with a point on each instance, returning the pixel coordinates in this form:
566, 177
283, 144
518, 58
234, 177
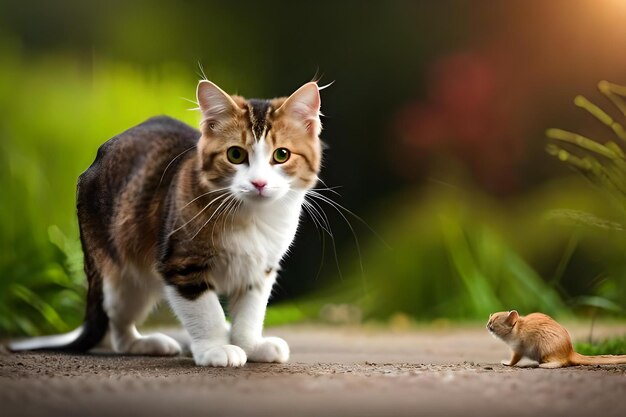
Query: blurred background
436, 130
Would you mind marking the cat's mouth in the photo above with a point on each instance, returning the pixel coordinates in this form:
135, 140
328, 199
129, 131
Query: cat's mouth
260, 195
257, 195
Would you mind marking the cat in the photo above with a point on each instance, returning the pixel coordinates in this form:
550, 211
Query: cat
540, 338
166, 209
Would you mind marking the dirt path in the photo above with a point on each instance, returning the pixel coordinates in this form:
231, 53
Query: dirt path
333, 371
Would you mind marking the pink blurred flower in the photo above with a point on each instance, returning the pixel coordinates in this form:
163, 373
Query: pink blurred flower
463, 117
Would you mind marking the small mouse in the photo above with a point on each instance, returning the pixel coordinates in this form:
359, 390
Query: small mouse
540, 338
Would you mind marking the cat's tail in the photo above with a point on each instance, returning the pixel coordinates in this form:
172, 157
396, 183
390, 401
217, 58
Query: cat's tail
85, 337
578, 359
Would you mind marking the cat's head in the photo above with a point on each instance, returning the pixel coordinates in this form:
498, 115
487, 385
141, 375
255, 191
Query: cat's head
501, 324
259, 150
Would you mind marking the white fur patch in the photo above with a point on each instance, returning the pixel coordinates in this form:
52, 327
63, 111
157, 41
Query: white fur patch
261, 244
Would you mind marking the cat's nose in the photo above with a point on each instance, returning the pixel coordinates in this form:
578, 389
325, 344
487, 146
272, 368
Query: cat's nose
259, 184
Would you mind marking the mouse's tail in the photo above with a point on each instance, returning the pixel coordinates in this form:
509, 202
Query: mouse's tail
85, 337
578, 359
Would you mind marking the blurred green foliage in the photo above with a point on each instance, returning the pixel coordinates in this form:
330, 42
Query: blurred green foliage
456, 253
613, 346
603, 163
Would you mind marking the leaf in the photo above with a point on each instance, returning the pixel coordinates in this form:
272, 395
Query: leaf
45, 309
598, 302
481, 292
582, 142
583, 218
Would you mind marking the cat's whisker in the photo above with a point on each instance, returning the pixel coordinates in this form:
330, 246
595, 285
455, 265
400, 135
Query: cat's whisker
318, 222
322, 216
171, 162
233, 214
305, 206
339, 207
197, 214
336, 206
214, 215
332, 238
217, 216
201, 69
189, 100
224, 215
326, 187
308, 209
331, 189
322, 181
317, 217
202, 195
228, 197
318, 226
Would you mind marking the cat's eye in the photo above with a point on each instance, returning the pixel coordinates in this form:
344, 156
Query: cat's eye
281, 155
236, 155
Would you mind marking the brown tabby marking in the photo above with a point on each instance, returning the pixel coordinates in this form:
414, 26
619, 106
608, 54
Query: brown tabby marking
255, 118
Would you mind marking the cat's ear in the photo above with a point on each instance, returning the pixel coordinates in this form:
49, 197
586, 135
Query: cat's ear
304, 107
512, 317
214, 103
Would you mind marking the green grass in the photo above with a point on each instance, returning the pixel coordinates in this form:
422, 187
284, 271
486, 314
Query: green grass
612, 346
456, 254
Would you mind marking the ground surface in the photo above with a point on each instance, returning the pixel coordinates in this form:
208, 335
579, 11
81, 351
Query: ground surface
332, 372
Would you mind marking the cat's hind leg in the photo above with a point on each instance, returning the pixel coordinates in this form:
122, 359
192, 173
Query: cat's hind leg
128, 298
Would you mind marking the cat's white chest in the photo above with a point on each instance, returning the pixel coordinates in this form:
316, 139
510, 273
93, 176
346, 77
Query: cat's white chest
251, 251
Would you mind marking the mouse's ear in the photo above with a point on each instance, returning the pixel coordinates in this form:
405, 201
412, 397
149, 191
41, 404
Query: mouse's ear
512, 317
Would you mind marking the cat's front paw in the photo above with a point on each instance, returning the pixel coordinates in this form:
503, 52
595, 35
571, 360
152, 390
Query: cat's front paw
269, 349
220, 356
